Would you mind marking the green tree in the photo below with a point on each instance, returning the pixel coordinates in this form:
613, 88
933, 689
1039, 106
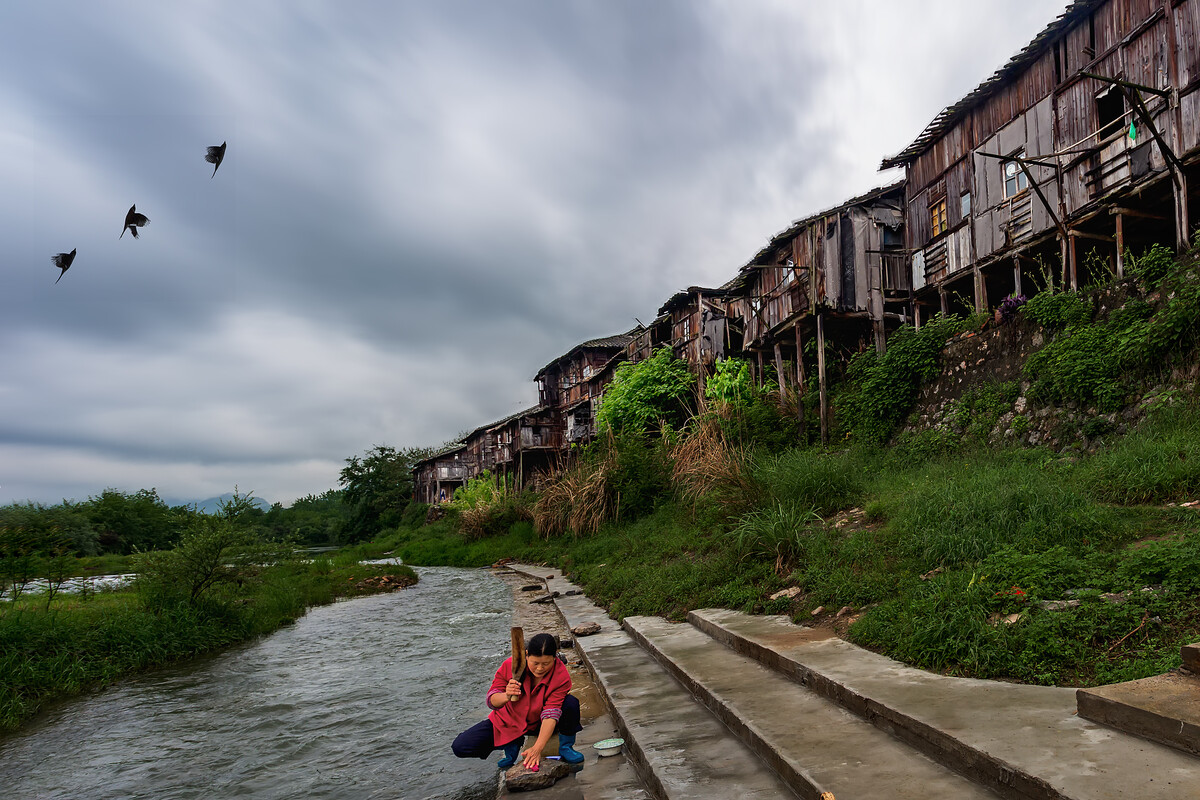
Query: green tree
378, 486
139, 521
649, 395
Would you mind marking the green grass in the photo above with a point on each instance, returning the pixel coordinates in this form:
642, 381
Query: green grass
83, 642
995, 532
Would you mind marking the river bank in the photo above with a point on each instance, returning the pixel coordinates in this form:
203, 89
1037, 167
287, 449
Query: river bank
359, 699
51, 648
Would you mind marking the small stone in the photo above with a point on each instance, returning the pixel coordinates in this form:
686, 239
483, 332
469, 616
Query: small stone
545, 598
933, 572
566, 642
1058, 605
571, 592
520, 779
844, 611
789, 593
818, 610
533, 587
586, 629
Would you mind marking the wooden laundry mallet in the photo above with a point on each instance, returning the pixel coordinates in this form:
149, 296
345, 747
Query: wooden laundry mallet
518, 656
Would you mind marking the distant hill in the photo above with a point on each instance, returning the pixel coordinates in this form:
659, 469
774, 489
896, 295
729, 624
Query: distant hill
213, 504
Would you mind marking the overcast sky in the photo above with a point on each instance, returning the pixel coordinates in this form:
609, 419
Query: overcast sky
422, 203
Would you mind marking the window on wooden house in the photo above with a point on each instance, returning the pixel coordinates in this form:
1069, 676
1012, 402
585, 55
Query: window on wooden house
964, 204
1110, 113
937, 217
1015, 179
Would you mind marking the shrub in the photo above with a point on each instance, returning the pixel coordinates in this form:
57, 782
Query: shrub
880, 390
1152, 266
648, 396
1058, 310
825, 482
1079, 366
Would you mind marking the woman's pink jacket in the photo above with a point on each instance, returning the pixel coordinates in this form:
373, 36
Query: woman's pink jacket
543, 701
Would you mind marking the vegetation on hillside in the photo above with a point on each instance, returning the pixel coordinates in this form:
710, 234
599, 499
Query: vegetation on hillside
936, 547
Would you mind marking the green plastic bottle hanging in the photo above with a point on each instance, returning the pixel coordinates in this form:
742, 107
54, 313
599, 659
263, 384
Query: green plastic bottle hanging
1132, 131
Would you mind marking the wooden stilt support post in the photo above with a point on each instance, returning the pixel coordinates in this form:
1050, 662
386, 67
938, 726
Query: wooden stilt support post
917, 315
1120, 244
981, 298
800, 377
945, 302
1074, 281
1017, 276
779, 370
1182, 223
821, 377
759, 380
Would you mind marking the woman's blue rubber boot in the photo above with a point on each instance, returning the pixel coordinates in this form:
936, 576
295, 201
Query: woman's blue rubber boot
511, 751
567, 751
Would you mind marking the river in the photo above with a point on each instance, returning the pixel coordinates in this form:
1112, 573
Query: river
358, 700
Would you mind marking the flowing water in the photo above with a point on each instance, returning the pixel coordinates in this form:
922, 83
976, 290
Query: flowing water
358, 700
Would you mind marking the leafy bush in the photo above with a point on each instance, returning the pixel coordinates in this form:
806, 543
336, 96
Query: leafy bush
1058, 310
747, 414
880, 390
1152, 266
1079, 366
648, 396
777, 531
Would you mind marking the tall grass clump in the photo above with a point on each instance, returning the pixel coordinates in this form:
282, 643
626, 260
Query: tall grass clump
708, 468
617, 477
826, 482
489, 505
965, 512
1156, 463
778, 532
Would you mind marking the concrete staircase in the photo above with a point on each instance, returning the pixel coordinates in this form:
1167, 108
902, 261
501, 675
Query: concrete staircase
736, 706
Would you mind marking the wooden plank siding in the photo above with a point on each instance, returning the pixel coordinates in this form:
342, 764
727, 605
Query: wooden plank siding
1042, 105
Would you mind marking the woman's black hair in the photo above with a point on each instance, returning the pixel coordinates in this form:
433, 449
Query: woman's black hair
542, 644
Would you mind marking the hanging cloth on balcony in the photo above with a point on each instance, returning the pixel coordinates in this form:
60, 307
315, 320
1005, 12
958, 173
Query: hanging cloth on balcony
1132, 131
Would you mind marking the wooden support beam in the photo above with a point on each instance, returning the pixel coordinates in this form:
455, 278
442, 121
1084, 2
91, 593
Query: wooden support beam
779, 370
1120, 240
1085, 235
1130, 212
822, 378
1127, 84
1017, 276
1182, 222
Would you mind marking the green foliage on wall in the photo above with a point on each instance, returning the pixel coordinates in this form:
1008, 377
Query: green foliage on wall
880, 390
1058, 310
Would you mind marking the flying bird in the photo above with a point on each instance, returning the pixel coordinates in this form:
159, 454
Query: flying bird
133, 221
215, 156
63, 262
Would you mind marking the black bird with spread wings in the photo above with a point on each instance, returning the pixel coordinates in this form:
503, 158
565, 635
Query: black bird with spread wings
133, 221
63, 262
215, 156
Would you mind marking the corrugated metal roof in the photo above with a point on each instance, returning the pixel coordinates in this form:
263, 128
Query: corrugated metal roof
952, 114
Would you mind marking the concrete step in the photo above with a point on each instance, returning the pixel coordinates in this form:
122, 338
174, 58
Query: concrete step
812, 743
680, 750
1163, 708
1021, 741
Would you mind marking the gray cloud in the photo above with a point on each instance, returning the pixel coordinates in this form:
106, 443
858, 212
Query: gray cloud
421, 205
